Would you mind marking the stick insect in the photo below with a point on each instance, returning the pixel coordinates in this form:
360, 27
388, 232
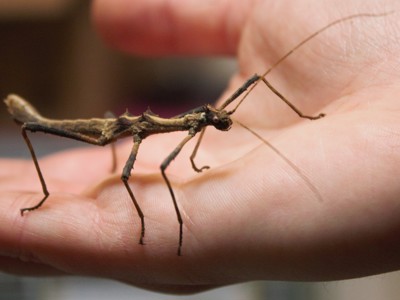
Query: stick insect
103, 131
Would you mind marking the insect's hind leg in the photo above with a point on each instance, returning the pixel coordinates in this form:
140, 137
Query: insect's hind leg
33, 127
125, 176
39, 172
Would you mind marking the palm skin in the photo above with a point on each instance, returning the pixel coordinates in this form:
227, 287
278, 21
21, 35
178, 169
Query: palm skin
251, 216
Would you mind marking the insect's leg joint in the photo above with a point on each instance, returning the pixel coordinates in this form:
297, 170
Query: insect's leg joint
28, 127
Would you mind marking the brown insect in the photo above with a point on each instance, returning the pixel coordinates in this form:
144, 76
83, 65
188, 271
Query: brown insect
103, 131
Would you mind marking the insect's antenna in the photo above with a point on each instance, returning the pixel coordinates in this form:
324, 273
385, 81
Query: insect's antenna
249, 83
342, 20
253, 82
288, 161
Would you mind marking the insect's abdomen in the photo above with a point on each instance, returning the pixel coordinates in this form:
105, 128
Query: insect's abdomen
21, 110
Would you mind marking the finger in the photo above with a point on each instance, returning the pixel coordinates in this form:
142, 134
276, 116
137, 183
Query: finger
61, 171
18, 267
164, 27
177, 289
63, 235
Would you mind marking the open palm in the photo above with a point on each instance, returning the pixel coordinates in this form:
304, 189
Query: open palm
252, 215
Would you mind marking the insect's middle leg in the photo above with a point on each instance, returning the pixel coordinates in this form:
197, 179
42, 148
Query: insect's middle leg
163, 167
125, 176
109, 114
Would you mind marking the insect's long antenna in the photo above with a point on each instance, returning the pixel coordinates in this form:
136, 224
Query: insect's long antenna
288, 161
250, 85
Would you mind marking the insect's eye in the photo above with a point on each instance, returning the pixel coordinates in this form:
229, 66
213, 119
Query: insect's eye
215, 119
222, 124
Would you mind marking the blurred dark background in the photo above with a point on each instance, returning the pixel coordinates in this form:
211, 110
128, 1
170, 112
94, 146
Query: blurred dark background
50, 54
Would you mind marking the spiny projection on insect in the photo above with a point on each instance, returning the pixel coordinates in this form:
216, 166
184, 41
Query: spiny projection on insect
103, 131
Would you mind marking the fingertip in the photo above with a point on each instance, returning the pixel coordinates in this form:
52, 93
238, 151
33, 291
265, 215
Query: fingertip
162, 27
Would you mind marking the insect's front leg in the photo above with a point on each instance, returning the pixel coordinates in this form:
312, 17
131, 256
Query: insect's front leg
193, 155
294, 108
163, 167
248, 87
126, 173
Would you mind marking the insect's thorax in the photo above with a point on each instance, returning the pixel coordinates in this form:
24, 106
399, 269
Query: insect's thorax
149, 123
192, 121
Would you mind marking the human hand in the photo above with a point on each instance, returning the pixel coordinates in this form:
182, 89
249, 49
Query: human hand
251, 216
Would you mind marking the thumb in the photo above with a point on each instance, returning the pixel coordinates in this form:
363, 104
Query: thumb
163, 27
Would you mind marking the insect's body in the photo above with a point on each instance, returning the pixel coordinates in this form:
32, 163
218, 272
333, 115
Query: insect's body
100, 131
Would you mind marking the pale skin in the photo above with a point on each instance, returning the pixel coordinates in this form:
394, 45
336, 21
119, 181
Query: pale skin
250, 216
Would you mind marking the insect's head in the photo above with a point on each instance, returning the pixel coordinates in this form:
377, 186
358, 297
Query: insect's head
220, 119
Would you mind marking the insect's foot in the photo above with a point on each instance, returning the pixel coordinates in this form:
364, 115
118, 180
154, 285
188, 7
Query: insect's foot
321, 115
201, 169
23, 210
